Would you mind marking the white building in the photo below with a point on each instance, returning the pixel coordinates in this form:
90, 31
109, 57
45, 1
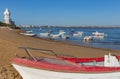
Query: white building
7, 18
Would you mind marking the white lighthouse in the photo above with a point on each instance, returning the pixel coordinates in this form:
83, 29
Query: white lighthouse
7, 18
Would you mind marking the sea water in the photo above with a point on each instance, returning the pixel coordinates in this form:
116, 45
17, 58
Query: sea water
111, 41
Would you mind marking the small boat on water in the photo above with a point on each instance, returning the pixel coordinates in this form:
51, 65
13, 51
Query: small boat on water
98, 37
78, 33
65, 36
87, 38
61, 34
44, 34
66, 67
29, 33
99, 34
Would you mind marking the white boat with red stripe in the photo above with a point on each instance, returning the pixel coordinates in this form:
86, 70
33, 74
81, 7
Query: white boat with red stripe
64, 67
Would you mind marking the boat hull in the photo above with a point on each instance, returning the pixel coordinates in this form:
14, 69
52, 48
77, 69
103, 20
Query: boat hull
34, 73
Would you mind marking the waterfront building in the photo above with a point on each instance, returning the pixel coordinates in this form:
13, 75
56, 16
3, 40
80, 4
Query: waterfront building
7, 18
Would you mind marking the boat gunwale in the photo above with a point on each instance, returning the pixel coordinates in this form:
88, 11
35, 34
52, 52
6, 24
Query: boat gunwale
61, 68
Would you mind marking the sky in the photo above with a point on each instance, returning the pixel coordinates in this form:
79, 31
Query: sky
63, 12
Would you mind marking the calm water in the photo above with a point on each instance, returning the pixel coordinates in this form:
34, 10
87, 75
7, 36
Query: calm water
112, 40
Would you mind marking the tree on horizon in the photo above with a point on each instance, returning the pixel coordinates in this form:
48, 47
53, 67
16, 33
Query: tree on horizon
7, 25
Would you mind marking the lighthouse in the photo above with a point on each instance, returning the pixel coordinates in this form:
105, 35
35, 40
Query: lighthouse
7, 18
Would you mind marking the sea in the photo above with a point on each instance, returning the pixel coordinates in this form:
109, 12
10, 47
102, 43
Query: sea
110, 41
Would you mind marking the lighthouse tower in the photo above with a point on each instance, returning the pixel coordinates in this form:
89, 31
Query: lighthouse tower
7, 18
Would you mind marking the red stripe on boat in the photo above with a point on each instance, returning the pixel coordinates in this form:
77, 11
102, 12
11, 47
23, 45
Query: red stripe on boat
45, 65
75, 60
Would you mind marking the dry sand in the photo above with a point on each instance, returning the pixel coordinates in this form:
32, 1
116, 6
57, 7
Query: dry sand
11, 40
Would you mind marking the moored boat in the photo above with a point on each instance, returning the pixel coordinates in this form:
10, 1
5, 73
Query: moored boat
44, 34
78, 33
28, 33
61, 34
64, 67
99, 34
87, 38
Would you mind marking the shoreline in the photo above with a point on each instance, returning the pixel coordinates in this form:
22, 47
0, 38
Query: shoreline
92, 47
11, 40
53, 42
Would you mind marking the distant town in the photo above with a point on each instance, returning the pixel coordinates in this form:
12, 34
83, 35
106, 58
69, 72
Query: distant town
32, 26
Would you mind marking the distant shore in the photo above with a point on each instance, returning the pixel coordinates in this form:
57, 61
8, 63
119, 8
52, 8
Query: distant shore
70, 26
11, 40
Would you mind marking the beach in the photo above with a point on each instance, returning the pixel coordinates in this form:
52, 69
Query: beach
11, 40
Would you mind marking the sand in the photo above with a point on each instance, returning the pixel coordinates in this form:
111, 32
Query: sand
11, 40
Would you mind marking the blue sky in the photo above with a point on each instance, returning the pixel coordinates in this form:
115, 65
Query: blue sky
62, 12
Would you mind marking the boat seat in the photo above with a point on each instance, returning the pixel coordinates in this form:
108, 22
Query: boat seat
111, 61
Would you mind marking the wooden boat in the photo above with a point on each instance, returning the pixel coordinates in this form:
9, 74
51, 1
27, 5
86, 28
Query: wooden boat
64, 67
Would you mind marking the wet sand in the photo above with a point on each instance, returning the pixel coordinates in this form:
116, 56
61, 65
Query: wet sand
11, 40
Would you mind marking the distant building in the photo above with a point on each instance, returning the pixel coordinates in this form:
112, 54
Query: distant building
7, 18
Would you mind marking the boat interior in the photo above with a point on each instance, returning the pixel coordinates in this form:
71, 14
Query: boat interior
54, 58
